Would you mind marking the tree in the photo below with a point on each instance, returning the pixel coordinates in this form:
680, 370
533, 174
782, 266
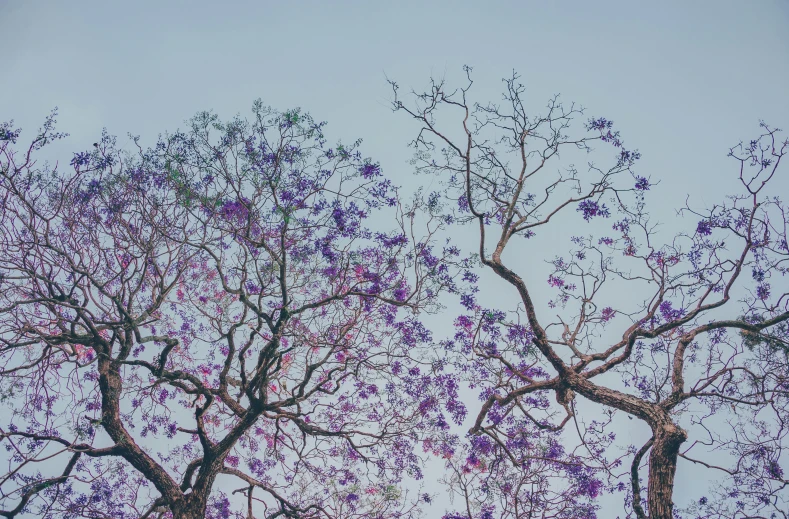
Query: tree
230, 323
686, 334
211, 309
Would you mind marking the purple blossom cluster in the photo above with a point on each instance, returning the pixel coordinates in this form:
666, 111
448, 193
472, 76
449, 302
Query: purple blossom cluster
8, 133
642, 184
590, 209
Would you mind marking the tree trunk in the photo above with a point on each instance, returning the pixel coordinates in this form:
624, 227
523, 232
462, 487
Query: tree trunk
189, 508
662, 467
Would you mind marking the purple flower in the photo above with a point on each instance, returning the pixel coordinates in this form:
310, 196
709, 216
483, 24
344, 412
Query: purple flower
599, 124
463, 204
426, 405
92, 190
589, 487
80, 159
7, 133
467, 300
704, 228
774, 470
482, 445
222, 508
668, 312
235, 210
427, 257
763, 291
642, 184
554, 451
470, 277
370, 170
555, 281
394, 241
590, 209
400, 294
628, 157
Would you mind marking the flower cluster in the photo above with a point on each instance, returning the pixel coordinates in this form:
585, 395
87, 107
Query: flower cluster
591, 209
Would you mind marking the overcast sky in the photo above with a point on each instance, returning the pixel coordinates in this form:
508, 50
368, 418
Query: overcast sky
683, 81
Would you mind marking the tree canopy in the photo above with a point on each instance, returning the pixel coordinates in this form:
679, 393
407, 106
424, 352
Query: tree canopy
239, 322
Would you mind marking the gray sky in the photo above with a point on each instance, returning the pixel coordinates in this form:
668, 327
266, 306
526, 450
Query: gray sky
682, 80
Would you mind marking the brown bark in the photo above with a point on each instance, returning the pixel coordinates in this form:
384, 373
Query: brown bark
111, 386
634, 480
667, 438
662, 468
192, 506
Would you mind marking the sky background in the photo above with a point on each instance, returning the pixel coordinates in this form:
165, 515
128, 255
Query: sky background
682, 80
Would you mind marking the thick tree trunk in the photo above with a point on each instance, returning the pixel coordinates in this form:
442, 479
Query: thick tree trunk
666, 440
189, 508
662, 468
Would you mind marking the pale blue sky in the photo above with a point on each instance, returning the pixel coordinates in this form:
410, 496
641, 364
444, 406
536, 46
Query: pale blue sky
682, 80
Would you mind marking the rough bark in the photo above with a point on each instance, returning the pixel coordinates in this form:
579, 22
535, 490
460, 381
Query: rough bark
635, 482
662, 468
111, 385
667, 438
192, 506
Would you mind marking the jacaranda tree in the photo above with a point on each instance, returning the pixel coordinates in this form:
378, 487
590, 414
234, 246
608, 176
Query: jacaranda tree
686, 333
208, 328
231, 323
